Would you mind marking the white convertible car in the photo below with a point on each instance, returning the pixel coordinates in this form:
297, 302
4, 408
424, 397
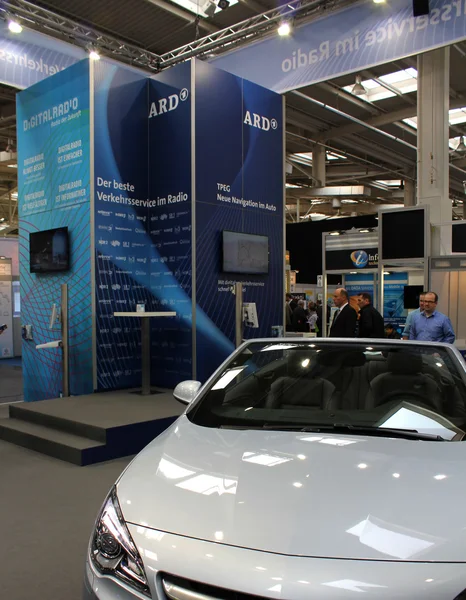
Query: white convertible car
302, 470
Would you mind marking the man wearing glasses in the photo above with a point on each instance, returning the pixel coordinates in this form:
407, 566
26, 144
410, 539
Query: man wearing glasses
431, 325
409, 320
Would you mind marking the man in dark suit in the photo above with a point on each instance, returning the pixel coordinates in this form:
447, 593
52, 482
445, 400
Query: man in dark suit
370, 320
344, 320
299, 319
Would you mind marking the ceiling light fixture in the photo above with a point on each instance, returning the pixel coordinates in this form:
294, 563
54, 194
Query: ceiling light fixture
378, 1
284, 28
94, 55
358, 88
14, 27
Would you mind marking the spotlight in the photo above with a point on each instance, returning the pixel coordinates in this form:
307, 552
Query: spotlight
14, 27
358, 88
223, 4
94, 55
420, 7
284, 28
378, 1
209, 8
461, 147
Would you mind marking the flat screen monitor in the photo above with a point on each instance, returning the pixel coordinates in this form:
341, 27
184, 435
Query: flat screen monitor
411, 295
458, 238
49, 251
403, 234
245, 253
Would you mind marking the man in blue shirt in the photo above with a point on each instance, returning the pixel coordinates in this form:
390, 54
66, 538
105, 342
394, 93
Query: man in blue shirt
409, 320
431, 325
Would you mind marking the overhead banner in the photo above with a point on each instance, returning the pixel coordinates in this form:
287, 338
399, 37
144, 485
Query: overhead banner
54, 191
343, 260
30, 57
373, 34
351, 252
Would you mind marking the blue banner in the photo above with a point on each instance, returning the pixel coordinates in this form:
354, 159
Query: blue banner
30, 57
239, 187
54, 191
121, 222
170, 181
350, 40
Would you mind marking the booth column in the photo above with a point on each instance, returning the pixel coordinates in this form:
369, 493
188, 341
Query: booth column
318, 164
432, 143
409, 193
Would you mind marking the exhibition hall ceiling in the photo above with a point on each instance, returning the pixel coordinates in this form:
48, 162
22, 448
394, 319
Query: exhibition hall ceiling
376, 165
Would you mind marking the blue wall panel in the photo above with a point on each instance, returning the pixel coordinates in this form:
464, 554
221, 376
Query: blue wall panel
170, 172
121, 222
239, 187
54, 191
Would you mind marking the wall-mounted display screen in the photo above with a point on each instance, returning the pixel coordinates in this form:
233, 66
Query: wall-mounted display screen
411, 295
49, 251
245, 253
458, 238
403, 234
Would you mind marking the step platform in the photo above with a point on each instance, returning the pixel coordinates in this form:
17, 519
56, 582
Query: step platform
89, 429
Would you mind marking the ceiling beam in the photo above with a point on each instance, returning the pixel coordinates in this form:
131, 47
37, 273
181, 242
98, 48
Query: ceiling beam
190, 17
379, 121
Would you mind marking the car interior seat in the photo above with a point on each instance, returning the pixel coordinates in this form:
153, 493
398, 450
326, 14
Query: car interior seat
302, 385
404, 380
345, 370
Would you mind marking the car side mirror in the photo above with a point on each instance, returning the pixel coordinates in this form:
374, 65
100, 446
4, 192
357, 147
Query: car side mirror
186, 391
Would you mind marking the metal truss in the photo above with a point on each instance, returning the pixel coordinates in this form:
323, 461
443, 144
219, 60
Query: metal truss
50, 23
248, 30
59, 26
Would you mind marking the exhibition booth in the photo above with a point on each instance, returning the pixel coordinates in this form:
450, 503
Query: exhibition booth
145, 194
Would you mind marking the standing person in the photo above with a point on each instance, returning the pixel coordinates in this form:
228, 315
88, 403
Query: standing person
312, 316
288, 312
431, 325
344, 321
299, 319
370, 320
405, 334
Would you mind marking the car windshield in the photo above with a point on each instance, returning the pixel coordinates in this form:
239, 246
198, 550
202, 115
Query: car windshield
401, 389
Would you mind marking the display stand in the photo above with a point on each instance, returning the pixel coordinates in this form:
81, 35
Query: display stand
145, 342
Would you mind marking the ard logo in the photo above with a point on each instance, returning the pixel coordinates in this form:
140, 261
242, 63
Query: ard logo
259, 121
168, 104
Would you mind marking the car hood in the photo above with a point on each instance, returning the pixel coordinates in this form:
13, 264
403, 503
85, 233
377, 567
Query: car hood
303, 494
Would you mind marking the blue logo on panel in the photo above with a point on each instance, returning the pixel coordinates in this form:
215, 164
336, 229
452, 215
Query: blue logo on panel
359, 258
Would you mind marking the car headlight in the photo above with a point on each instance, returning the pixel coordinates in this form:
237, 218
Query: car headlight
113, 551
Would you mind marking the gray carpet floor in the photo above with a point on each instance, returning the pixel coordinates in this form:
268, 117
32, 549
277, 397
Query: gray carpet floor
47, 511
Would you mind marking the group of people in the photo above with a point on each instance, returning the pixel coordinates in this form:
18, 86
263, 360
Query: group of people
425, 323
301, 318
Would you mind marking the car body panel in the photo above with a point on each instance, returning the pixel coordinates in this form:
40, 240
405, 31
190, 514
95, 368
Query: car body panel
276, 576
302, 494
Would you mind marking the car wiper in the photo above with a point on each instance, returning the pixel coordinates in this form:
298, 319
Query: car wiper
409, 434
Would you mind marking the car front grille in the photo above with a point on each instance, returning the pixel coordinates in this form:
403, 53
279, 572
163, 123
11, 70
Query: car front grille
177, 588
